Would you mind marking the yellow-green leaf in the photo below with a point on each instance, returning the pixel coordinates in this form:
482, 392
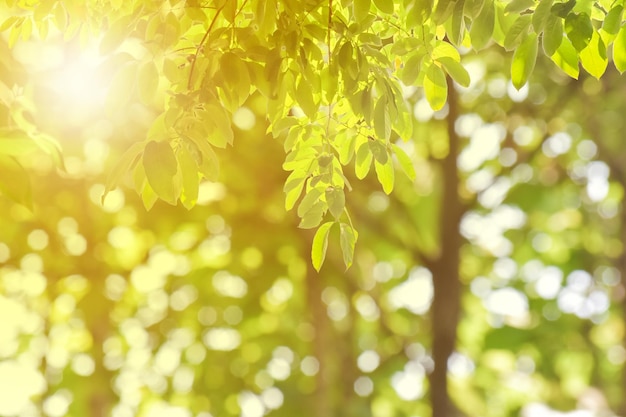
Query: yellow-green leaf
160, 165
385, 6
540, 16
385, 175
189, 172
566, 58
124, 164
363, 161
405, 161
320, 244
147, 81
455, 70
552, 35
348, 237
382, 120
619, 50
593, 58
482, 27
435, 87
336, 201
524, 61
361, 9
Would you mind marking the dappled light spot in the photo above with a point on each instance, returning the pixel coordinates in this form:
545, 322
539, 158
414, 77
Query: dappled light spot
19, 383
57, 404
557, 144
183, 297
196, 353
422, 110
75, 244
244, 118
496, 193
541, 410
542, 242
5, 252
114, 201
122, 237
616, 355
309, 366
382, 271
207, 315
409, 383
183, 379
222, 338
229, 285
549, 282
507, 302
38, 239
31, 262
497, 86
505, 268
479, 180
233, 315
378, 202
167, 359
209, 192
115, 286
337, 305
466, 124
363, 386
272, 398
517, 95
415, 293
368, 361
214, 247
586, 149
367, 307
508, 157
279, 368
484, 145
146, 279
250, 404
83, 364
460, 366
279, 293
162, 409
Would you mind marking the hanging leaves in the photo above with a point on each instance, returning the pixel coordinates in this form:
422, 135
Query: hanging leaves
160, 166
524, 61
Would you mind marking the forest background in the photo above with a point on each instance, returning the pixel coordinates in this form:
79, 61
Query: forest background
421, 212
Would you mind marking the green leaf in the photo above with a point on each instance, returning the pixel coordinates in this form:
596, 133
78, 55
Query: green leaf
189, 172
541, 14
379, 151
160, 165
147, 81
293, 187
593, 58
619, 50
237, 80
472, 8
552, 35
313, 217
412, 67
524, 61
517, 33
613, 20
516, 6
304, 95
405, 161
363, 161
566, 58
457, 23
310, 199
579, 30
455, 70
482, 27
435, 87
444, 49
336, 200
16, 142
382, 120
124, 164
15, 182
385, 174
320, 244
347, 239
385, 6
563, 9
361, 9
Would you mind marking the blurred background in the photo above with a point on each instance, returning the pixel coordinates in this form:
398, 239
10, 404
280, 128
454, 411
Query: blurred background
110, 309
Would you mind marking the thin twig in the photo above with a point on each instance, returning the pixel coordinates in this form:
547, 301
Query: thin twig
201, 44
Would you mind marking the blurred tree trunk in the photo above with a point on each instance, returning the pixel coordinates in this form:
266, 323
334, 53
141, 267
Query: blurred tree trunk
447, 286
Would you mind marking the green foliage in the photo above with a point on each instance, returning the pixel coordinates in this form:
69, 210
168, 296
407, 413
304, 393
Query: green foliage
331, 75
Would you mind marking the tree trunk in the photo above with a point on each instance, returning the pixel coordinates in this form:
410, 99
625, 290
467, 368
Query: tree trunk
447, 287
